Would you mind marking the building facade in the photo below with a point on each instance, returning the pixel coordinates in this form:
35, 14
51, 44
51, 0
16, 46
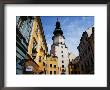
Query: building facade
37, 47
31, 46
59, 49
74, 66
22, 38
86, 52
52, 65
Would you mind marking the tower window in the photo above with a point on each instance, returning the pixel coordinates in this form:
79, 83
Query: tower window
50, 65
61, 51
62, 55
54, 66
62, 66
62, 61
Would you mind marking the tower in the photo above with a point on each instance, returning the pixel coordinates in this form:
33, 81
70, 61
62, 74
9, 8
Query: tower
59, 49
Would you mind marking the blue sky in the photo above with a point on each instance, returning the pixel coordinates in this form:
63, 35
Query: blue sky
72, 27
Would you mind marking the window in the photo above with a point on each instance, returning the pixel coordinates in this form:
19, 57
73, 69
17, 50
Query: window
63, 70
54, 72
75, 66
78, 72
61, 46
75, 72
43, 64
62, 61
61, 51
85, 65
34, 50
34, 47
39, 58
50, 65
89, 49
54, 66
46, 65
71, 72
62, 66
82, 67
50, 72
62, 55
88, 63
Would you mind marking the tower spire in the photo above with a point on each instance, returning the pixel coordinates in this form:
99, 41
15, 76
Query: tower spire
57, 28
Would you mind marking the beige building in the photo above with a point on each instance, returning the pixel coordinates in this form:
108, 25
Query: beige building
52, 65
86, 52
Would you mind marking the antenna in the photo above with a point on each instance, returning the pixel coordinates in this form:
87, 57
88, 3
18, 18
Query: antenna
57, 19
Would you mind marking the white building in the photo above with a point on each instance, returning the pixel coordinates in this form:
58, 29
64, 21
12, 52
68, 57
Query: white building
60, 50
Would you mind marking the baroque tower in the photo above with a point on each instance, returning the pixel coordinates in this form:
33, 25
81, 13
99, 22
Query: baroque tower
59, 49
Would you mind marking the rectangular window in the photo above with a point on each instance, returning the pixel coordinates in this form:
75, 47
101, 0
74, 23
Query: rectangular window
54, 72
50, 65
62, 61
61, 51
89, 49
62, 66
71, 72
54, 66
75, 72
88, 63
62, 55
50, 72
39, 58
75, 66
61, 46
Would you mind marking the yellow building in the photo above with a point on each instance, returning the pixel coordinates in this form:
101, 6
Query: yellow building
37, 48
52, 65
